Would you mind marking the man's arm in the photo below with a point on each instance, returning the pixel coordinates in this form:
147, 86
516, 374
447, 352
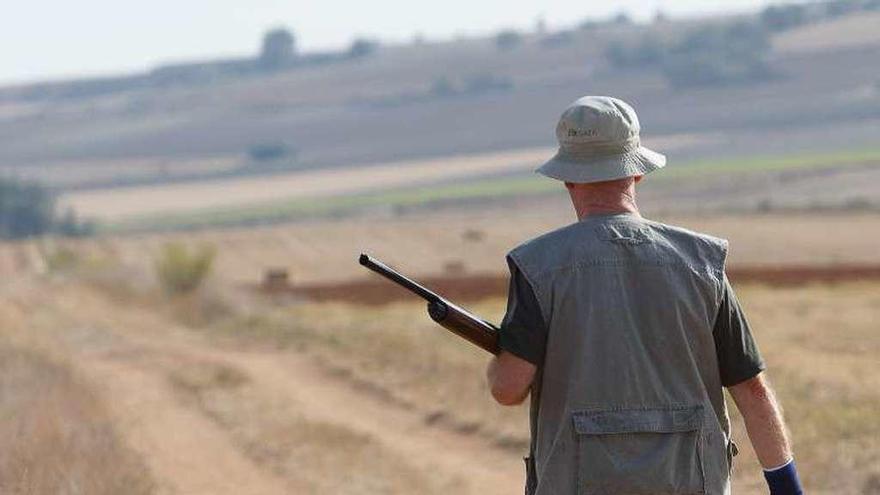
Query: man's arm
522, 340
510, 378
741, 368
763, 418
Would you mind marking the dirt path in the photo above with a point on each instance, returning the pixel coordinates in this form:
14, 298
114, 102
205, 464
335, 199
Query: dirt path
187, 453
130, 351
486, 469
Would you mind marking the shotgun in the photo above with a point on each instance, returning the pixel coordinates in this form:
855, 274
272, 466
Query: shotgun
451, 317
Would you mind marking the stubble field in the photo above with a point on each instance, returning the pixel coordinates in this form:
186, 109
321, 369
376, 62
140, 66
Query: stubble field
225, 391
325, 251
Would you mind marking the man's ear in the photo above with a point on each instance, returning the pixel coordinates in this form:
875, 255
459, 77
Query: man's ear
638, 178
569, 186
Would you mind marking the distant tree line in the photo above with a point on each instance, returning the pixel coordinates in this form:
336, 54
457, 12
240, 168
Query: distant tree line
783, 17
735, 53
510, 39
28, 209
710, 55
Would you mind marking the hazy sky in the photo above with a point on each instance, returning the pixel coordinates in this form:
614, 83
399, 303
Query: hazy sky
41, 39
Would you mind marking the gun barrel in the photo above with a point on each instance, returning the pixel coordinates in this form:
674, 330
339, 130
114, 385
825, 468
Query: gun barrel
389, 273
446, 314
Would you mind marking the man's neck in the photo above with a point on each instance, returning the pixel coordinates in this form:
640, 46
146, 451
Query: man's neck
588, 210
604, 198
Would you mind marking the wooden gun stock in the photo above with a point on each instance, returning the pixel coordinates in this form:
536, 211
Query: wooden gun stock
451, 317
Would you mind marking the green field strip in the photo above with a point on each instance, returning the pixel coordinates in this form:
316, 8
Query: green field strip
483, 188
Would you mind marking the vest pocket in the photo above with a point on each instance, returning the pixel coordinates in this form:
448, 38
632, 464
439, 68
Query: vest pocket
650, 451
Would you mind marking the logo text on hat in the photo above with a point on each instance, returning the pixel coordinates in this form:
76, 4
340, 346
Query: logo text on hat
583, 133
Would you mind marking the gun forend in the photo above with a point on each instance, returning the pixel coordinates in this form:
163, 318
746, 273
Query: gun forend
467, 326
451, 317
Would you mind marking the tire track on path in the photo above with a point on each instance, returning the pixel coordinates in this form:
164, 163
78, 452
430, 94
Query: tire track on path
133, 350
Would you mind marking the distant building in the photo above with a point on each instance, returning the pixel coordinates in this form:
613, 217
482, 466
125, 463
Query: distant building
278, 49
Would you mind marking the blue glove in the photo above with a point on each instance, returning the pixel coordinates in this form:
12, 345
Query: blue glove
784, 480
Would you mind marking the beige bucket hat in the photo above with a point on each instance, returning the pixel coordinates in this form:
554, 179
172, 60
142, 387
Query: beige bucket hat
599, 141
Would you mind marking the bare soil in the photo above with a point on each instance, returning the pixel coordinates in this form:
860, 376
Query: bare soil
131, 357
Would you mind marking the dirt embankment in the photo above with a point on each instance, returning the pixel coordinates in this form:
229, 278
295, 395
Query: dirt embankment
479, 286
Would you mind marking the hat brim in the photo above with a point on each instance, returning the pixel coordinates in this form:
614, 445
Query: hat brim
640, 161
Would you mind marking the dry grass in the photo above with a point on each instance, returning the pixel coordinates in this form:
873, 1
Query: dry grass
54, 435
820, 343
397, 353
326, 251
55, 432
314, 456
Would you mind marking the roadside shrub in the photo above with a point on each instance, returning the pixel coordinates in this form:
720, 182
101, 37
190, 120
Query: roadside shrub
60, 259
181, 270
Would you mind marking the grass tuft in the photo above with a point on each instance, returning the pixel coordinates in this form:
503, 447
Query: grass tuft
181, 270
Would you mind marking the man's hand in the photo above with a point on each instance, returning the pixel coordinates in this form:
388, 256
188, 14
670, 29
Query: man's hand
510, 378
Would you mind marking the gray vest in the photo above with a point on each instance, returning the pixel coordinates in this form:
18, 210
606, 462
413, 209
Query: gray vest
629, 400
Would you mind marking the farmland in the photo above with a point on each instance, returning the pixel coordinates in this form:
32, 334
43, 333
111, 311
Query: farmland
344, 116
326, 250
315, 397
496, 176
112, 382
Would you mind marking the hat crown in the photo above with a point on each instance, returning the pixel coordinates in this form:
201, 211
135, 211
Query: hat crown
597, 121
599, 141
